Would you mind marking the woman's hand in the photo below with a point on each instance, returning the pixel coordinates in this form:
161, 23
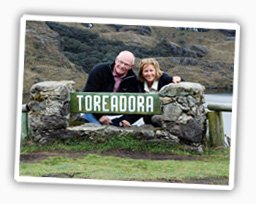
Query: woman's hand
176, 79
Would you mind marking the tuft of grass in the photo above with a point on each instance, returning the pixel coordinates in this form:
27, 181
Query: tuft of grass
116, 142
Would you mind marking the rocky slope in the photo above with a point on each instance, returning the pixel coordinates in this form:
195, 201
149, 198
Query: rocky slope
68, 51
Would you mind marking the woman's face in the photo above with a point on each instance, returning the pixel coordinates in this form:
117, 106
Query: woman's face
149, 73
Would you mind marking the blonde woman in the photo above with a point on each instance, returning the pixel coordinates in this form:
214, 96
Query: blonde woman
152, 79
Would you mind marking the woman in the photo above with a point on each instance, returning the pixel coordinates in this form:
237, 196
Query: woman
152, 79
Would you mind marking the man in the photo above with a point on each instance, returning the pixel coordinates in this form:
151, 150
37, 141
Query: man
115, 77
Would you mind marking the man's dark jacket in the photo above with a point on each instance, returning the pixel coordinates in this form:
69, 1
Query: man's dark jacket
101, 79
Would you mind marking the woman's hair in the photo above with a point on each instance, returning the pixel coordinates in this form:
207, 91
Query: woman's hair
147, 61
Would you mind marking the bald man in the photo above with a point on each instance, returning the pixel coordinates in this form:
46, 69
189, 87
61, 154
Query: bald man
115, 77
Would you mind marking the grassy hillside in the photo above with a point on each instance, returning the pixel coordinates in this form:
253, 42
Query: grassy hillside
68, 51
44, 60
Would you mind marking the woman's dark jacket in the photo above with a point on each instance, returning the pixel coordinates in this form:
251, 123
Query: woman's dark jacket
162, 81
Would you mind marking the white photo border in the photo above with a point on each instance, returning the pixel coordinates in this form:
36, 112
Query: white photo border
163, 23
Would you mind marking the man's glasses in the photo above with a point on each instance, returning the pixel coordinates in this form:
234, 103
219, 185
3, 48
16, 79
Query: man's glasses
123, 63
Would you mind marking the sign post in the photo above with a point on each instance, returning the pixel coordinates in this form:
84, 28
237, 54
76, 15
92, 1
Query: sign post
120, 103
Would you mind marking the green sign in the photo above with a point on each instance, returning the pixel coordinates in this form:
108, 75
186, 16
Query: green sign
120, 103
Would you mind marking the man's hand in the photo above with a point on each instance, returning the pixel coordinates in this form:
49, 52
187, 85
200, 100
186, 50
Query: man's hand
125, 123
104, 120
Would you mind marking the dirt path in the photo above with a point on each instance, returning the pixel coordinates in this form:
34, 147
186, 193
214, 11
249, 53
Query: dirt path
38, 156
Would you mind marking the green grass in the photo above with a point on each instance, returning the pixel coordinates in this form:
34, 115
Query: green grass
107, 167
211, 167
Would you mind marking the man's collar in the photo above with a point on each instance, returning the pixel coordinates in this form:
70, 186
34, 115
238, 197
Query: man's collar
118, 76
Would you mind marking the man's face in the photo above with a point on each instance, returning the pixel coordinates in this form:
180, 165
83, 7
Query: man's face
123, 64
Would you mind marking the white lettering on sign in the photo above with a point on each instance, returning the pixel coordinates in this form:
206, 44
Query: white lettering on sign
88, 103
105, 103
122, 104
140, 103
96, 103
132, 103
150, 102
79, 102
115, 103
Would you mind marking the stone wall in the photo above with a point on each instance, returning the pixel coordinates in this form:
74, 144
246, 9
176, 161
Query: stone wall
183, 119
183, 111
49, 108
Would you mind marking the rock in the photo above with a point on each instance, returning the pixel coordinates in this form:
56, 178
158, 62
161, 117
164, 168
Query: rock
200, 50
172, 112
182, 89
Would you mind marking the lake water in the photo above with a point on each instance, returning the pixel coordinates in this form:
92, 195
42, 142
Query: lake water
220, 98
